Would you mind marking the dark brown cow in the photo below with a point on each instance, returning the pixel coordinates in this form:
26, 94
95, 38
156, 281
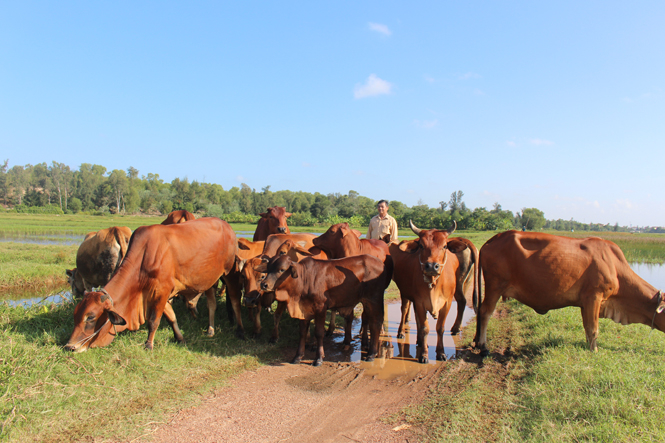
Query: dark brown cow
162, 261
426, 275
311, 287
546, 272
179, 216
273, 221
98, 257
467, 255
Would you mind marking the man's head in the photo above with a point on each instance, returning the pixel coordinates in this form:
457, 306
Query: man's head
382, 207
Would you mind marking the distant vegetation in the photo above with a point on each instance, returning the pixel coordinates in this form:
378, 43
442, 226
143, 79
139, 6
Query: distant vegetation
58, 189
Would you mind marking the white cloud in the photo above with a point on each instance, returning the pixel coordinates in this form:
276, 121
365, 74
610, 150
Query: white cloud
373, 86
541, 142
378, 27
240, 178
426, 124
478, 92
306, 165
469, 75
359, 172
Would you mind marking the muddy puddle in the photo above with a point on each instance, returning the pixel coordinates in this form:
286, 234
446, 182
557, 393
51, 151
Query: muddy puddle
396, 356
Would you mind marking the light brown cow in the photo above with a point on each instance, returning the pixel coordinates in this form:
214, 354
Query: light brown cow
178, 216
161, 261
426, 275
546, 272
273, 221
98, 257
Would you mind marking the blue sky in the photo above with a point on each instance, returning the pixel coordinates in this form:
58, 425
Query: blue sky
557, 106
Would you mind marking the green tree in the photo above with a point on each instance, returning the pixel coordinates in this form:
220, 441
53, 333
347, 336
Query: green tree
19, 179
4, 184
531, 218
117, 185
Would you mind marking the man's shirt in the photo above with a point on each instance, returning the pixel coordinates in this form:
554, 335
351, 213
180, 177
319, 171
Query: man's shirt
379, 227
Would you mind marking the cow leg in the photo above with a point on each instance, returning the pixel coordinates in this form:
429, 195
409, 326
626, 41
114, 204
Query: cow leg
590, 314
364, 338
233, 294
255, 315
461, 305
300, 353
440, 326
492, 296
404, 321
348, 330
373, 322
319, 332
212, 307
281, 306
331, 325
423, 331
191, 305
170, 317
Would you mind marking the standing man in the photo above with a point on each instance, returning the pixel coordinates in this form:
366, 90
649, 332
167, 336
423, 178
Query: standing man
382, 224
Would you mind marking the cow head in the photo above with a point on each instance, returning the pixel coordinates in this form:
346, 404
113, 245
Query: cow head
290, 248
276, 217
432, 250
93, 318
75, 281
277, 269
335, 238
251, 280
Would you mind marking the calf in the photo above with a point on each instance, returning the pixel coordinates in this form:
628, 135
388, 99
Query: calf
311, 287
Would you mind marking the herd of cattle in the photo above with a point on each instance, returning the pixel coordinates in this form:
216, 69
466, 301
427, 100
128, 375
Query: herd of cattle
137, 275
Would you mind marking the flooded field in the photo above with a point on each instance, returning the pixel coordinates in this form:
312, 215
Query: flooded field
43, 239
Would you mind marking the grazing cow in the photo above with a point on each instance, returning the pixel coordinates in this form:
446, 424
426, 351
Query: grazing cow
273, 221
546, 272
426, 275
311, 287
467, 255
179, 216
162, 261
98, 257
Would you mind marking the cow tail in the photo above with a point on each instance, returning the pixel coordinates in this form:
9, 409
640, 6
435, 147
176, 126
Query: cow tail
477, 282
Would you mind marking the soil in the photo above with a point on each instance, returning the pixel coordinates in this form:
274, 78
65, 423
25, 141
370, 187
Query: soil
335, 402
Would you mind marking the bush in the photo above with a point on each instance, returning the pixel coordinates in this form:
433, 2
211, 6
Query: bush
239, 217
48, 209
302, 219
75, 205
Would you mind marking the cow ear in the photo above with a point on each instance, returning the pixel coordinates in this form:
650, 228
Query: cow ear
294, 271
386, 239
357, 233
242, 244
345, 230
263, 267
409, 245
70, 272
263, 214
456, 246
116, 319
287, 214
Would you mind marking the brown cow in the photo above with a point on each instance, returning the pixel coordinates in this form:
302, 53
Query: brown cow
467, 255
98, 257
162, 261
311, 287
273, 221
546, 272
426, 275
179, 216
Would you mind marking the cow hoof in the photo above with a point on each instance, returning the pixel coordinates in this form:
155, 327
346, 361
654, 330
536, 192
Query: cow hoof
317, 362
423, 360
148, 346
484, 353
273, 340
454, 331
211, 331
296, 361
441, 357
369, 358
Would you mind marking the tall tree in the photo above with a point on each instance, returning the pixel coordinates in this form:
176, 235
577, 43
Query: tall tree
19, 179
61, 175
4, 185
118, 183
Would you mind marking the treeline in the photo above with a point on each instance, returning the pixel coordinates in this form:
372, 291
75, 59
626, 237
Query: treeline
92, 189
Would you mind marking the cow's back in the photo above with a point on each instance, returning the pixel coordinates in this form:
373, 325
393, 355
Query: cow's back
547, 271
101, 253
195, 253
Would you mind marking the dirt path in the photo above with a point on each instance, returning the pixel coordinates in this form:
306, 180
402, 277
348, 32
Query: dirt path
333, 403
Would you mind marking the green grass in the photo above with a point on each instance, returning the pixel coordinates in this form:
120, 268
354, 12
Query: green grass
34, 266
541, 383
49, 395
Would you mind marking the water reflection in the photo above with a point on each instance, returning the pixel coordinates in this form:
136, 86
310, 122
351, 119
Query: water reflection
652, 273
43, 239
28, 299
397, 356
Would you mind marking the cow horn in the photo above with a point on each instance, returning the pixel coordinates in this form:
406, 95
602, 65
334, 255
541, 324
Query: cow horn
452, 228
414, 229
